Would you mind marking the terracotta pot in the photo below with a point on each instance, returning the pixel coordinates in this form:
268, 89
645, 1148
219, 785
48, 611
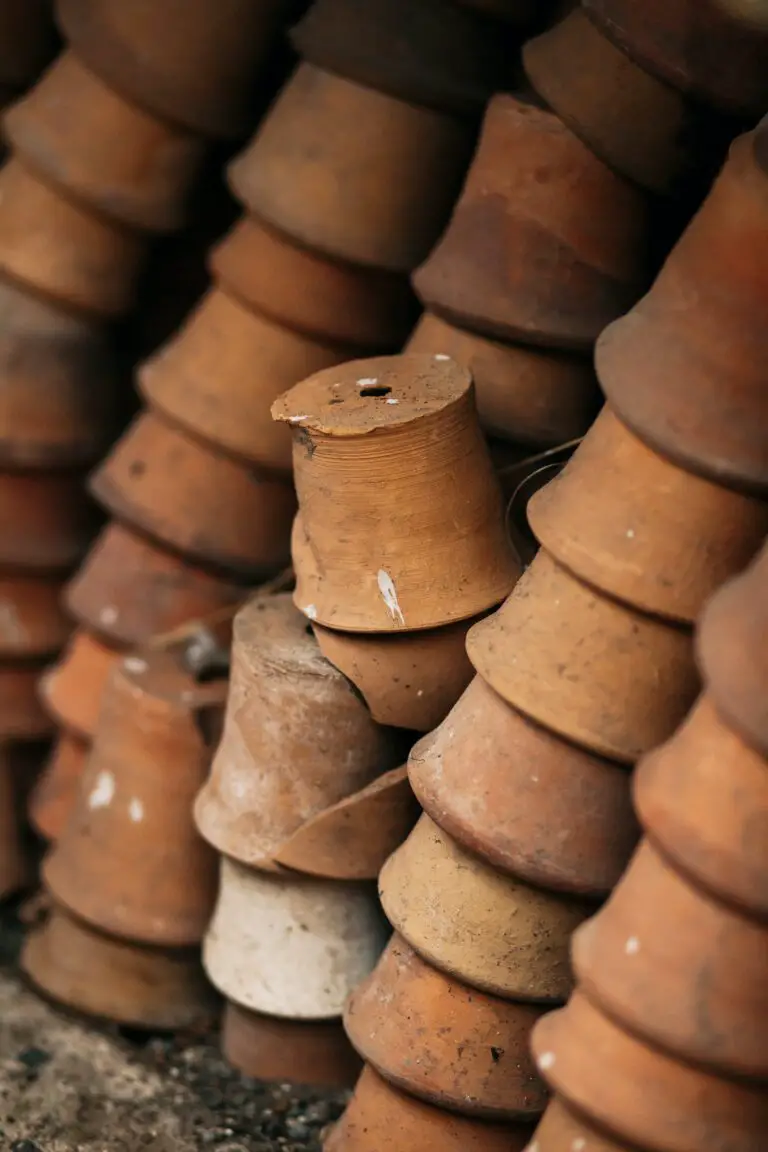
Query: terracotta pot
62, 251
32, 622
596, 672
46, 520
524, 800
640, 1095
191, 498
72, 688
54, 795
402, 523
28, 39
290, 946
268, 1049
490, 931
682, 368
14, 865
523, 394
329, 301
194, 63
22, 716
353, 173
697, 46
563, 1130
546, 244
154, 988
436, 1039
634, 525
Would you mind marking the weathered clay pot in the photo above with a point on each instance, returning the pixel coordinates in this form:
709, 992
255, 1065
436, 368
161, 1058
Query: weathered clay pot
604, 676
22, 716
641, 1095
32, 621
327, 300
72, 688
14, 866
193, 62
27, 40
402, 523
55, 792
64, 252
194, 499
563, 1130
524, 800
634, 525
290, 946
46, 520
301, 1052
437, 1039
352, 172
297, 738
155, 988
546, 244
682, 368
488, 930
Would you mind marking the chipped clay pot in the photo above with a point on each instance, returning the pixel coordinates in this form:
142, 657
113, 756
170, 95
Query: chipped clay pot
297, 738
523, 800
290, 946
27, 40
590, 669
72, 688
196, 500
32, 621
546, 244
130, 861
639, 1094
634, 525
490, 931
402, 523
22, 716
682, 369
46, 520
14, 866
446, 1043
154, 988
562, 1130
353, 173
55, 792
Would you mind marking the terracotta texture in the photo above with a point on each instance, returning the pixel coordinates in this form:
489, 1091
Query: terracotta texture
402, 523
353, 173
32, 622
72, 688
546, 244
562, 1130
524, 800
55, 793
46, 520
14, 866
490, 931
191, 498
28, 39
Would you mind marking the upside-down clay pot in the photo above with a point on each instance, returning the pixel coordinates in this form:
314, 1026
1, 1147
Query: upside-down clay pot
14, 866
353, 173
546, 244
46, 519
54, 795
527, 802
32, 621
299, 1051
28, 40
634, 525
194, 499
22, 716
563, 1130
587, 667
488, 930
402, 524
72, 688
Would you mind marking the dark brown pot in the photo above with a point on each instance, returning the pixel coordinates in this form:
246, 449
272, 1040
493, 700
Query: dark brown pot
22, 716
46, 519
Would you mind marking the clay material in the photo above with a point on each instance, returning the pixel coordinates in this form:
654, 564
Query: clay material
22, 716
55, 793
14, 866
32, 623
72, 688
28, 39
561, 1130
46, 520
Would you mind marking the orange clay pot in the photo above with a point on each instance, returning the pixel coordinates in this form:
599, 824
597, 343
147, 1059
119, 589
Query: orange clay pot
353, 173
27, 40
563, 1130
46, 520
22, 716
402, 523
32, 622
546, 244
72, 688
14, 866
195, 500
55, 793
524, 800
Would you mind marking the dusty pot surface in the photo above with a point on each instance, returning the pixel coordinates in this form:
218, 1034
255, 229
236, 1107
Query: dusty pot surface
524, 800
291, 946
563, 1130
546, 244
22, 716
71, 689
402, 524
591, 669
32, 621
46, 520
14, 866
28, 39
444, 1042
55, 792
353, 173
488, 930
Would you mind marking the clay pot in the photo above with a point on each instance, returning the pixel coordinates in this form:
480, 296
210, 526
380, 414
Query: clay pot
301, 1052
22, 716
331, 302
32, 622
697, 46
546, 244
194, 499
523, 394
72, 688
55, 794
154, 988
562, 1130
290, 946
524, 800
46, 520
402, 523
352, 172
596, 672
14, 866
640, 1095
62, 251
194, 63
130, 861
436, 1039
682, 368
488, 930
630, 523
297, 738
27, 39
